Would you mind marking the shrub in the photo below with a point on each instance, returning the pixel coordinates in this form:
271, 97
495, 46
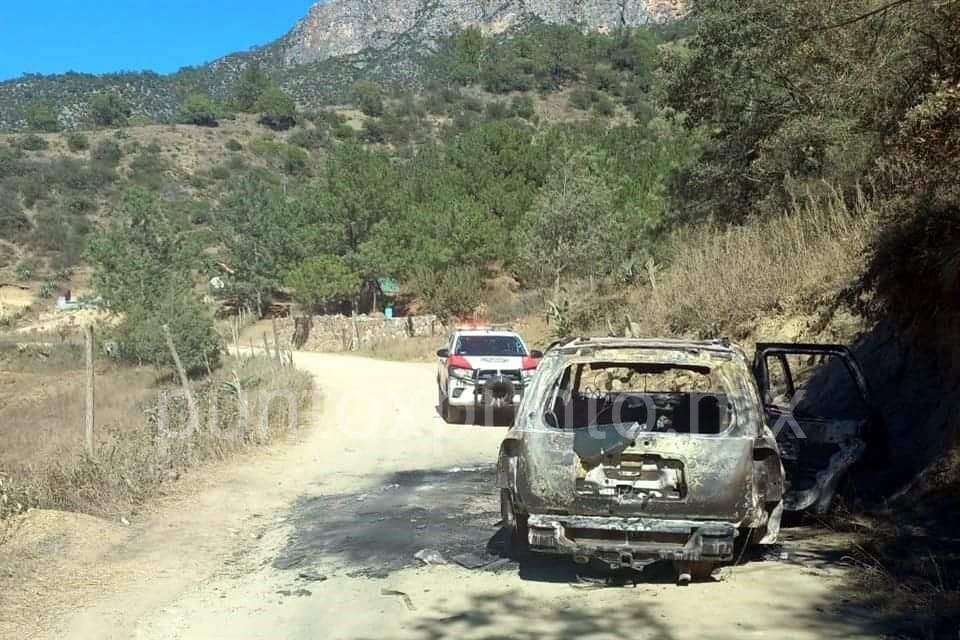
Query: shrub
497, 110
523, 107
109, 110
474, 104
220, 172
148, 169
344, 132
14, 223
199, 109
32, 142
278, 110
141, 338
369, 98
295, 160
582, 99
233, 145
604, 106
25, 270
307, 138
47, 290
374, 131
327, 118
450, 293
77, 141
41, 116
107, 152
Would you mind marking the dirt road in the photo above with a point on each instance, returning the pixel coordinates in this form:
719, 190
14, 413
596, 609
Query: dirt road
318, 540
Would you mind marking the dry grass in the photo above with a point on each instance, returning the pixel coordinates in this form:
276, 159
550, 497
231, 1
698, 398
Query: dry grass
42, 463
721, 278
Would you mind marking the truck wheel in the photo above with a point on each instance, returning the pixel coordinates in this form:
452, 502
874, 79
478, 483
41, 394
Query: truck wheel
443, 405
516, 540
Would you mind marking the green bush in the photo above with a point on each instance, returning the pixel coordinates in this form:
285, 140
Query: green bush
148, 169
14, 223
307, 138
523, 107
344, 132
322, 281
277, 110
32, 142
107, 152
47, 290
369, 98
374, 131
200, 110
41, 116
77, 141
233, 145
497, 110
109, 110
295, 160
582, 98
220, 172
25, 270
604, 106
141, 338
450, 293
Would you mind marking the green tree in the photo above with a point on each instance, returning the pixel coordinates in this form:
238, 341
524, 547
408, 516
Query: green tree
277, 110
571, 226
42, 116
200, 110
249, 88
465, 55
323, 280
109, 110
142, 254
368, 97
263, 235
145, 265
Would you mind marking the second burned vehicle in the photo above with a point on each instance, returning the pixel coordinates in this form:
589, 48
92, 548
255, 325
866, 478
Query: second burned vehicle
630, 451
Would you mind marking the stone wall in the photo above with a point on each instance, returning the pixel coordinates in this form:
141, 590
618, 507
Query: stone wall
346, 333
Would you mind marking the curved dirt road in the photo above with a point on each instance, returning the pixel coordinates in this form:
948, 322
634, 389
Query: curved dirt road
317, 540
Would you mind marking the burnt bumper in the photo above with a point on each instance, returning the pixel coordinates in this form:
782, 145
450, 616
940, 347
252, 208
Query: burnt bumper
632, 542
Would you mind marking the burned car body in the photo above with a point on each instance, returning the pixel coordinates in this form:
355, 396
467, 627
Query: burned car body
630, 451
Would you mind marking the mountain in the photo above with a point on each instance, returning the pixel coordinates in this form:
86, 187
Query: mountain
346, 27
337, 43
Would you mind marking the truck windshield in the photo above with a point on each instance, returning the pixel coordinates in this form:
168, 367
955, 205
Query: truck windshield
490, 346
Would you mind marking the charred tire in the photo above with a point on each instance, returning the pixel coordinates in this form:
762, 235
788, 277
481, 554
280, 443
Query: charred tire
516, 540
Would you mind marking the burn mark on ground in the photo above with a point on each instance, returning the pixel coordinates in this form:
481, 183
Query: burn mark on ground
451, 511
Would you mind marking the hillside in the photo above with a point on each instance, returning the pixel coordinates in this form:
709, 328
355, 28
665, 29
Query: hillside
336, 44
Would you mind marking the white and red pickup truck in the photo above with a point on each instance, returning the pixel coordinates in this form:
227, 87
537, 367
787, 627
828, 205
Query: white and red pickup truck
482, 367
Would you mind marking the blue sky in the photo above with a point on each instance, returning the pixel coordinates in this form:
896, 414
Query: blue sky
98, 36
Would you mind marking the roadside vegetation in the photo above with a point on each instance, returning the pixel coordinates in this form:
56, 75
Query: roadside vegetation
42, 464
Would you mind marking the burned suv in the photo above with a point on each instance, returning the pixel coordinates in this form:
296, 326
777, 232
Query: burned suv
630, 451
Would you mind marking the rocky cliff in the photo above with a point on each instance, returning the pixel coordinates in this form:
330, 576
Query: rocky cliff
336, 44
344, 27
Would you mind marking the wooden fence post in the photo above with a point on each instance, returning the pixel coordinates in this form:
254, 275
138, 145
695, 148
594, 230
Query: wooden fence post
184, 381
276, 343
89, 413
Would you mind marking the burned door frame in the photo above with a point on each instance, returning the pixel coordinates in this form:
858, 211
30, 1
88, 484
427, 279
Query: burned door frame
868, 438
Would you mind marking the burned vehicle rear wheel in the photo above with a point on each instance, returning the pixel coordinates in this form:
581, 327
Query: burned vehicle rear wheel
516, 532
